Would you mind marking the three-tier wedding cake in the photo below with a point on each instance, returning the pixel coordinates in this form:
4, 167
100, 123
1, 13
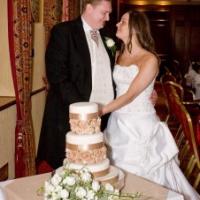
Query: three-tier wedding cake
85, 145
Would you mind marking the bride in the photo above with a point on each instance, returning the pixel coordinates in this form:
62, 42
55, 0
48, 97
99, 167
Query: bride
140, 143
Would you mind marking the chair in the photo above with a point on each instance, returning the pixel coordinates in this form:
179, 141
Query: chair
167, 77
177, 87
186, 96
168, 90
188, 152
161, 104
185, 138
177, 71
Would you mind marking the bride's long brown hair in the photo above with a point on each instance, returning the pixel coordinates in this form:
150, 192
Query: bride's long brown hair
140, 23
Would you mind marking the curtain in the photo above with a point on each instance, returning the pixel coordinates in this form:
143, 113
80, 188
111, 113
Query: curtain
20, 46
56, 11
52, 15
65, 10
71, 9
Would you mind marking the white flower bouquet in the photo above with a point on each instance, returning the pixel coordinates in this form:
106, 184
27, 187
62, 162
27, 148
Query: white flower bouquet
69, 184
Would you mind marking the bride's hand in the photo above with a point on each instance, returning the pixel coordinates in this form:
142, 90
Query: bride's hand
100, 113
101, 110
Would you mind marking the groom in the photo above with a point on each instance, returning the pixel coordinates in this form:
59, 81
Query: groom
79, 67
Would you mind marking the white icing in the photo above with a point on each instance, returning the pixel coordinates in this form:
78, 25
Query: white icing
92, 168
83, 108
116, 174
84, 139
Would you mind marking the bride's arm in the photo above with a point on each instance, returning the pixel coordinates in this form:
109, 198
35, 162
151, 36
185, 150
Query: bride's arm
145, 76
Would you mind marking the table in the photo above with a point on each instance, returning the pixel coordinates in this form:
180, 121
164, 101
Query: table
26, 188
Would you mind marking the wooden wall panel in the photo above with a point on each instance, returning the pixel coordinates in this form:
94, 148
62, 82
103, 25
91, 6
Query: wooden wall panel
160, 31
179, 41
185, 23
195, 41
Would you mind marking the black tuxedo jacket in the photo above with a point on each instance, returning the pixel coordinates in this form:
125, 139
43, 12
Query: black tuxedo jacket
68, 69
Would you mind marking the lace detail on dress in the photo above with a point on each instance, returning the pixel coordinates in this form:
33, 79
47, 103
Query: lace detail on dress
123, 76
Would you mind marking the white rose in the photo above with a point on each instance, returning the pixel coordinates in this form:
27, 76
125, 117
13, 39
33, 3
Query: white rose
116, 191
64, 194
62, 173
96, 198
48, 186
90, 195
84, 170
56, 179
69, 180
86, 177
55, 196
80, 192
110, 42
111, 198
47, 195
95, 186
58, 189
109, 187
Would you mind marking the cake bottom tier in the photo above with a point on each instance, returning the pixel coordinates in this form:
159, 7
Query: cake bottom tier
102, 172
115, 177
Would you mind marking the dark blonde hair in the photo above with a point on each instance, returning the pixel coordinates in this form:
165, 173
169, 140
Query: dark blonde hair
140, 23
93, 2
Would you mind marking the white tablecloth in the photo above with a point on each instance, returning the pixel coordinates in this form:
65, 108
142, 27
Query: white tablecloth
26, 188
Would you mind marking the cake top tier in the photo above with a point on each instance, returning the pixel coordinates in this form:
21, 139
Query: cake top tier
83, 108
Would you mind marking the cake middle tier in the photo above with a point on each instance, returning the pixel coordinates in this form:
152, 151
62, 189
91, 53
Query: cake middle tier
100, 169
85, 149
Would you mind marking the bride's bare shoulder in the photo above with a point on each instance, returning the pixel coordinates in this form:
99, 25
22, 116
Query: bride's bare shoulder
148, 56
149, 59
149, 62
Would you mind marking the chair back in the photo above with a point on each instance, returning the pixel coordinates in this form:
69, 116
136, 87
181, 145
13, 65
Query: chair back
184, 136
167, 77
170, 94
177, 87
187, 127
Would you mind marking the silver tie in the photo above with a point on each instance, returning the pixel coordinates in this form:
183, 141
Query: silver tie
94, 36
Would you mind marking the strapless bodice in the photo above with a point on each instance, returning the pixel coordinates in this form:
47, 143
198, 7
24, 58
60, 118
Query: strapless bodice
123, 77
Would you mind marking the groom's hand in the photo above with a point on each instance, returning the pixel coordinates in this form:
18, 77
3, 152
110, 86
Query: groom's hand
154, 97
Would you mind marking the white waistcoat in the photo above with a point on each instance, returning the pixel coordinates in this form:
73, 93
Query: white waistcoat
102, 88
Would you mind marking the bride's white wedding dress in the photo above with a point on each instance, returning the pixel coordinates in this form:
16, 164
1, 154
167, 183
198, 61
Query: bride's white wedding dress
142, 144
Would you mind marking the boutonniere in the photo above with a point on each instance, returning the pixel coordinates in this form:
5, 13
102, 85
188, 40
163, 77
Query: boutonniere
110, 43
